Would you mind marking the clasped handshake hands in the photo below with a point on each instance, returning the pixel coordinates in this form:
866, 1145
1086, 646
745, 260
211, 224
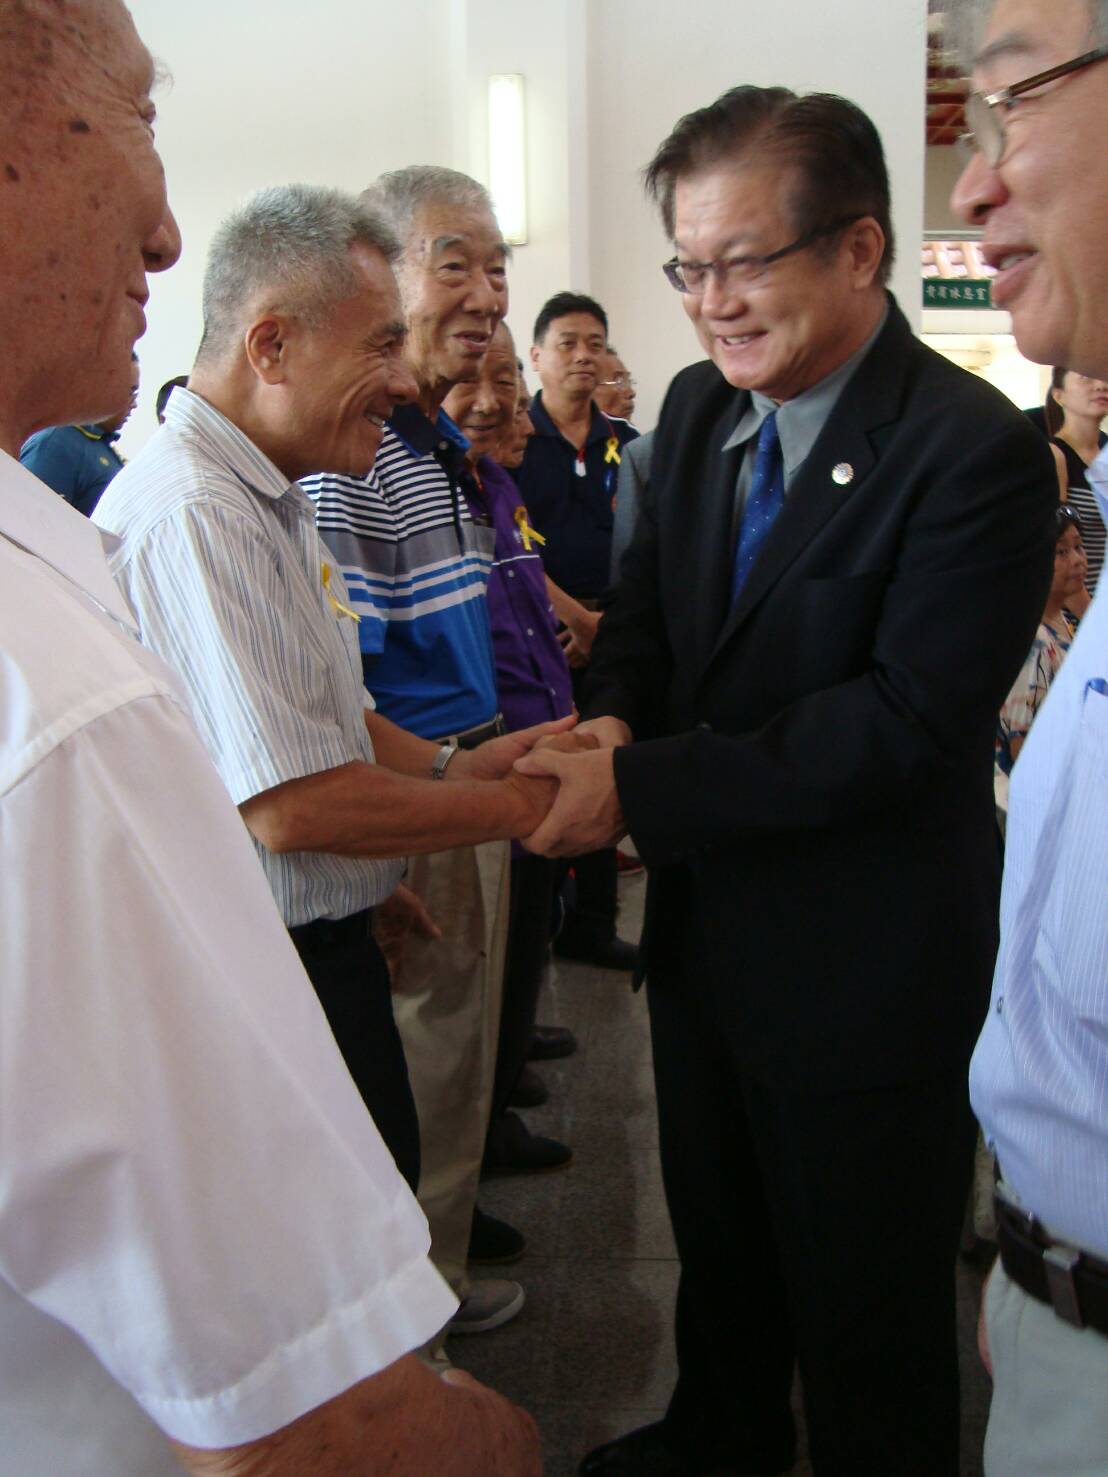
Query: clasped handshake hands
564, 773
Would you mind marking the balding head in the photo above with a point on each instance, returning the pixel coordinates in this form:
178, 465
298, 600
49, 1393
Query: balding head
83, 212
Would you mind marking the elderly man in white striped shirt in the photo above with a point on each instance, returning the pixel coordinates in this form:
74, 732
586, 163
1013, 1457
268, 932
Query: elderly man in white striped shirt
218, 555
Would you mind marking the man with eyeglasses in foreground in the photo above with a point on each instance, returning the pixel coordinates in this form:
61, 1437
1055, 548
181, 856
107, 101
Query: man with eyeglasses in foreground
1038, 186
835, 574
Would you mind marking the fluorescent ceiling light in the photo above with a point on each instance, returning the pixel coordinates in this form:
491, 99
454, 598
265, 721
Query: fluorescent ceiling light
508, 155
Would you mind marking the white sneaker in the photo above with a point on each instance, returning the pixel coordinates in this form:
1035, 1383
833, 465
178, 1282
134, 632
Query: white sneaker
491, 1302
434, 1355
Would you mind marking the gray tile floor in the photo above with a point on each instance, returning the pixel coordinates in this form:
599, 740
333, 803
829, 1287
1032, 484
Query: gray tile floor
591, 1354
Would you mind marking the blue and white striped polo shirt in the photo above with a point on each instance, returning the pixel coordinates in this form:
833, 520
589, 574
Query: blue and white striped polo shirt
417, 568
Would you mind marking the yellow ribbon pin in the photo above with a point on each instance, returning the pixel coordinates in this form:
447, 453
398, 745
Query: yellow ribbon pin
526, 532
611, 452
336, 605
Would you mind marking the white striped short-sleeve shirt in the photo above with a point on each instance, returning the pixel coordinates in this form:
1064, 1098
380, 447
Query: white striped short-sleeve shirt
220, 560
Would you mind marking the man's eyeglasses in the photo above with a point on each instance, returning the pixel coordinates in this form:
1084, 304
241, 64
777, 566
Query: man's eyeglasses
621, 382
742, 271
985, 111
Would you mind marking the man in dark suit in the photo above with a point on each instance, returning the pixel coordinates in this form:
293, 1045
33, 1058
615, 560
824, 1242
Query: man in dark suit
836, 572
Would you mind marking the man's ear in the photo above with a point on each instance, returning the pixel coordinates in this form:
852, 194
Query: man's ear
534, 356
267, 345
867, 246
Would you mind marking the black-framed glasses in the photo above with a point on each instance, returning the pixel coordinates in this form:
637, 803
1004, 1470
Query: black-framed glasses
985, 111
742, 271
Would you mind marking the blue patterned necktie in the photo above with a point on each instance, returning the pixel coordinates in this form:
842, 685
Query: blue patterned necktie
763, 503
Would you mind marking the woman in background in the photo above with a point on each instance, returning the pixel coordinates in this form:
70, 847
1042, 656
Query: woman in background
1075, 408
1052, 640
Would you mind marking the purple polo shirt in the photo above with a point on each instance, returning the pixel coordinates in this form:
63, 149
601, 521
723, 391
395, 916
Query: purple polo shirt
532, 675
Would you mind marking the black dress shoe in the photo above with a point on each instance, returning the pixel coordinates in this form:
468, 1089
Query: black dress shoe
493, 1242
550, 1042
530, 1091
511, 1148
647, 1452
652, 1451
614, 953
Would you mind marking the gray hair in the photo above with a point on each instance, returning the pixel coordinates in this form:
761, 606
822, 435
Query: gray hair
399, 195
291, 245
966, 21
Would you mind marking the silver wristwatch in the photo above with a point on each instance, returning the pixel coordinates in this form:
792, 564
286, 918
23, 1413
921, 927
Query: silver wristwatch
441, 760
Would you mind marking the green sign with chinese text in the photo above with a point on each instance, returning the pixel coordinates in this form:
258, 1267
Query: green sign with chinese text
957, 292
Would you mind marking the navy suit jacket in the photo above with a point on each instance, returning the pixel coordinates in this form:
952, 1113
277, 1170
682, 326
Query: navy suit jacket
815, 765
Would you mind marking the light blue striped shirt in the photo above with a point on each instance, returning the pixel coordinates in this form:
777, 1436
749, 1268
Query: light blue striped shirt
1039, 1076
221, 562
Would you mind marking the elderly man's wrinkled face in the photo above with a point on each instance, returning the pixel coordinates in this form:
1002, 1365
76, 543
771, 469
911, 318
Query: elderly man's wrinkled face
615, 389
784, 331
1044, 206
454, 286
344, 379
482, 408
519, 431
85, 216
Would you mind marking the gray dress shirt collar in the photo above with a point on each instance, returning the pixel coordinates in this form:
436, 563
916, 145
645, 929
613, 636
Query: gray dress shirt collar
799, 421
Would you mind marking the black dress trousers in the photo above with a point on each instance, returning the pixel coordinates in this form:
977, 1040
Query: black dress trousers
351, 979
816, 1231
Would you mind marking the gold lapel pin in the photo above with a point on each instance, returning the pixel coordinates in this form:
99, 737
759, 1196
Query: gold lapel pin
843, 474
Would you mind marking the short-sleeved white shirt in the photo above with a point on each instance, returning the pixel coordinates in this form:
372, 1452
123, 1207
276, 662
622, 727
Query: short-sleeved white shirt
193, 1199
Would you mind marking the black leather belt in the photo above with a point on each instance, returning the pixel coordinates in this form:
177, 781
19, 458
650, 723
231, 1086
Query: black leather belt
474, 736
1073, 1282
332, 933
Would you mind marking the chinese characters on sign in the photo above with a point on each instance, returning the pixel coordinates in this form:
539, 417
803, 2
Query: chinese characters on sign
939, 292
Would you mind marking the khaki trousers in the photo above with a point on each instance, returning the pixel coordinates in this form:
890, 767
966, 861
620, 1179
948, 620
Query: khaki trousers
1049, 1416
446, 999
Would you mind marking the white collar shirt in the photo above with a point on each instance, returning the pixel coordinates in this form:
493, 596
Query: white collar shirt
200, 1228
219, 558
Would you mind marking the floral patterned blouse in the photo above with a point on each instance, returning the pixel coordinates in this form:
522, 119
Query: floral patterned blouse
1048, 651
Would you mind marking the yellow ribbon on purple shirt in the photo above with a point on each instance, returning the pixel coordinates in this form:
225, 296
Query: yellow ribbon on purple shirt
526, 532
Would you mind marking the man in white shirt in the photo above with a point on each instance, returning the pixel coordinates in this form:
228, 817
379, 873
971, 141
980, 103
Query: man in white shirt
1038, 187
200, 1230
219, 558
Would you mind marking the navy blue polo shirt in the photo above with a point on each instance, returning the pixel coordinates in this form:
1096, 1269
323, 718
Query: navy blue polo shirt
76, 461
571, 497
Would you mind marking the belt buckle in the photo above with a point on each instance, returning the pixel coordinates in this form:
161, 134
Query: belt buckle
1059, 1263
